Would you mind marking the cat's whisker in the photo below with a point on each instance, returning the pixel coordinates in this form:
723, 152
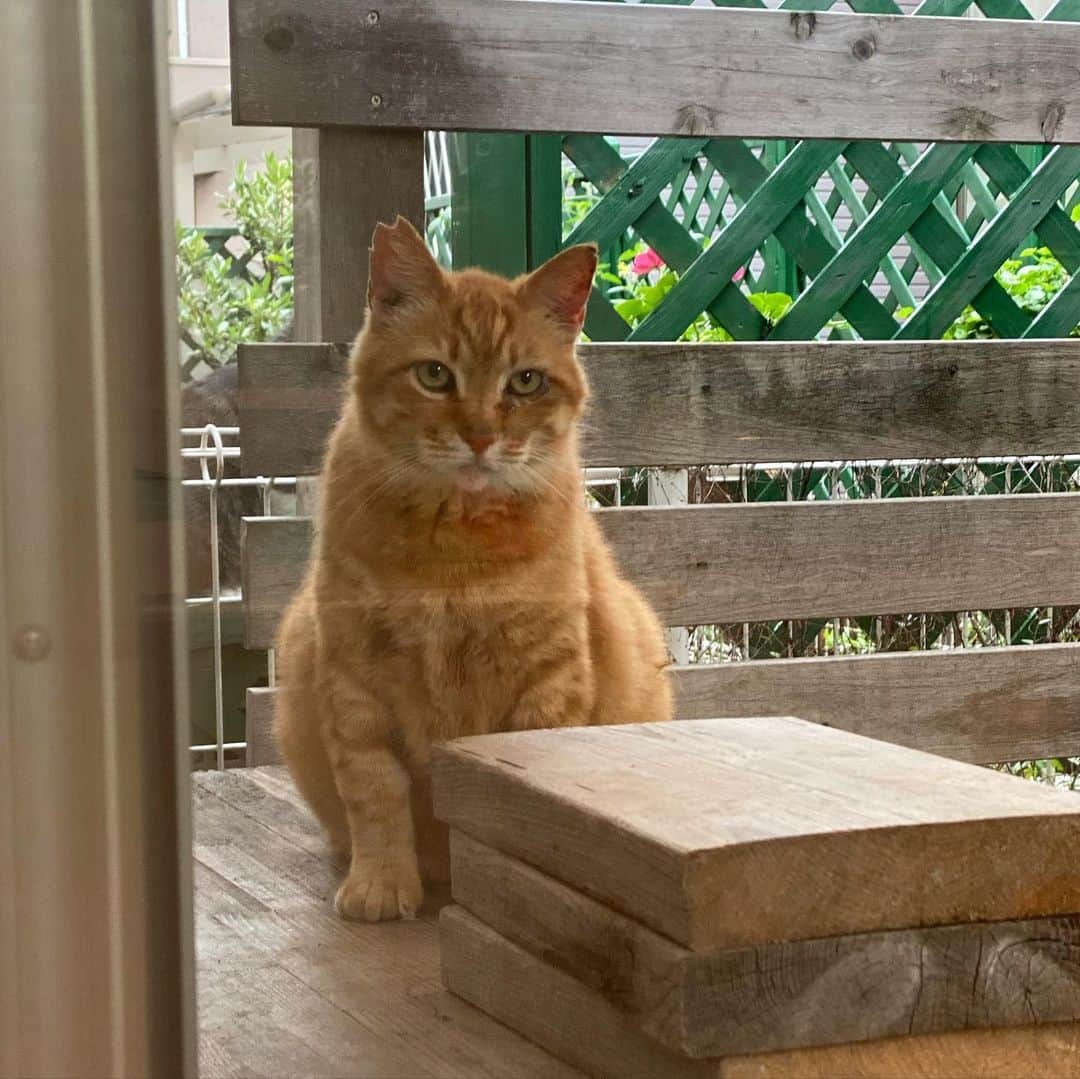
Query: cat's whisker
540, 477
391, 475
471, 599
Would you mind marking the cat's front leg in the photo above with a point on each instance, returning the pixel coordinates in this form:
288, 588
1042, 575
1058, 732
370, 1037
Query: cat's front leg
383, 880
560, 695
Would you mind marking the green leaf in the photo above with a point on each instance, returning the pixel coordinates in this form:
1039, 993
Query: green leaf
773, 305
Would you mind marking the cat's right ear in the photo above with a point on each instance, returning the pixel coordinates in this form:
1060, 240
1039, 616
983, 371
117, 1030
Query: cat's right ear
402, 269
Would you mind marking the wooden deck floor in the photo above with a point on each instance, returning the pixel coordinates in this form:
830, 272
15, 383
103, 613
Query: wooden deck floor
288, 989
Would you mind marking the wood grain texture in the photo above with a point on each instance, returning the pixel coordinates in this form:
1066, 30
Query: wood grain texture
286, 988
488, 65
258, 728
736, 563
289, 400
274, 561
333, 226
978, 705
667, 404
779, 996
683, 827
578, 1025
747, 563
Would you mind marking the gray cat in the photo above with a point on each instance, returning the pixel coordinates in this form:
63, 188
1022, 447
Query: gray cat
215, 399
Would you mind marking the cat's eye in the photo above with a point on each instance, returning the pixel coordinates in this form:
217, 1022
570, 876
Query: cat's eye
434, 377
527, 383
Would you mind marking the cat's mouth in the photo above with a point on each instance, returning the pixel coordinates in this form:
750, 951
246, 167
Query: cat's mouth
475, 477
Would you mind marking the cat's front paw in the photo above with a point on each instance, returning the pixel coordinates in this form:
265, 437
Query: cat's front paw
382, 890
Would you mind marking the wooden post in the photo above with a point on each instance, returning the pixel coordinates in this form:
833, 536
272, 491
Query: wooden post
506, 199
346, 182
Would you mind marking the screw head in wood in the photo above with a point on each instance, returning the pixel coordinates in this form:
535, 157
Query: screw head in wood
372, 18
376, 100
31, 644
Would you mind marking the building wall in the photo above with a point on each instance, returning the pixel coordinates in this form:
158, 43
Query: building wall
206, 149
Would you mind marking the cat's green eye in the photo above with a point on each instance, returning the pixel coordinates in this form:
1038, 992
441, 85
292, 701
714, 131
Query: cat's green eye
527, 383
434, 377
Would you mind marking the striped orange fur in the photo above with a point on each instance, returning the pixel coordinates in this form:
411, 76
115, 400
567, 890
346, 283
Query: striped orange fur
458, 584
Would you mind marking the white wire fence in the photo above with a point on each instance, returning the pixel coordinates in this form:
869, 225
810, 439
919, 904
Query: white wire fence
212, 446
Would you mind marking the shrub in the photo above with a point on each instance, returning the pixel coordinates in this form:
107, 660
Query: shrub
243, 293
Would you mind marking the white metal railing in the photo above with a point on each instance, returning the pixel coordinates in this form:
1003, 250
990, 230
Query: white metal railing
212, 449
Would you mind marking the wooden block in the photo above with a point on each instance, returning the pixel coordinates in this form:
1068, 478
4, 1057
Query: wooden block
733, 832
571, 1021
779, 996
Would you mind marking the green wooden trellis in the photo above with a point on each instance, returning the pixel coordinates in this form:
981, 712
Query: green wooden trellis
929, 229
952, 214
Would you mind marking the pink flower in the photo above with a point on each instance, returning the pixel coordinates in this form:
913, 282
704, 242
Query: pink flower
646, 261
738, 275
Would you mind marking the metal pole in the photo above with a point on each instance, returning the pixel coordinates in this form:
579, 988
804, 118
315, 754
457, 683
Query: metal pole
95, 896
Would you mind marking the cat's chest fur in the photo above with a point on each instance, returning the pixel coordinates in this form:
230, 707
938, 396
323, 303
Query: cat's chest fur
455, 667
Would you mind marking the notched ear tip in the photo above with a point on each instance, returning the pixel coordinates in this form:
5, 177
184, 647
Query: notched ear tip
401, 267
401, 229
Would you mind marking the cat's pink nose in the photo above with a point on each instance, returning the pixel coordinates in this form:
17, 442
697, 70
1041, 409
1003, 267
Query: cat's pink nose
479, 443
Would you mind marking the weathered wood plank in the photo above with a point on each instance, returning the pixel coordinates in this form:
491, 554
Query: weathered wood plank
489, 65
736, 563
979, 705
684, 827
779, 996
273, 567
346, 182
800, 560
258, 728
554, 1010
287, 988
670, 404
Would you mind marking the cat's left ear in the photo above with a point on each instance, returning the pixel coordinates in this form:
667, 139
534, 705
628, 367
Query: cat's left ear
562, 285
402, 268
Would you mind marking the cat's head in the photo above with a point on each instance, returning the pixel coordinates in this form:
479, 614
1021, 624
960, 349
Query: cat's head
469, 381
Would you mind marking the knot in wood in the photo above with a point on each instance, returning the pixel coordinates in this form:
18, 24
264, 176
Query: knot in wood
695, 119
864, 48
279, 37
1051, 121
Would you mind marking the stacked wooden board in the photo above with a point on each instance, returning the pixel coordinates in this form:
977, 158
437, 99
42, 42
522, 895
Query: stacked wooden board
760, 897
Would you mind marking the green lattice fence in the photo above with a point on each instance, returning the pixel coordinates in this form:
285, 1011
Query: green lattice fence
868, 240
795, 241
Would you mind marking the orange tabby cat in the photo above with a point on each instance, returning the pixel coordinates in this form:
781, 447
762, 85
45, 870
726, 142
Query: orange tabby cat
458, 584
